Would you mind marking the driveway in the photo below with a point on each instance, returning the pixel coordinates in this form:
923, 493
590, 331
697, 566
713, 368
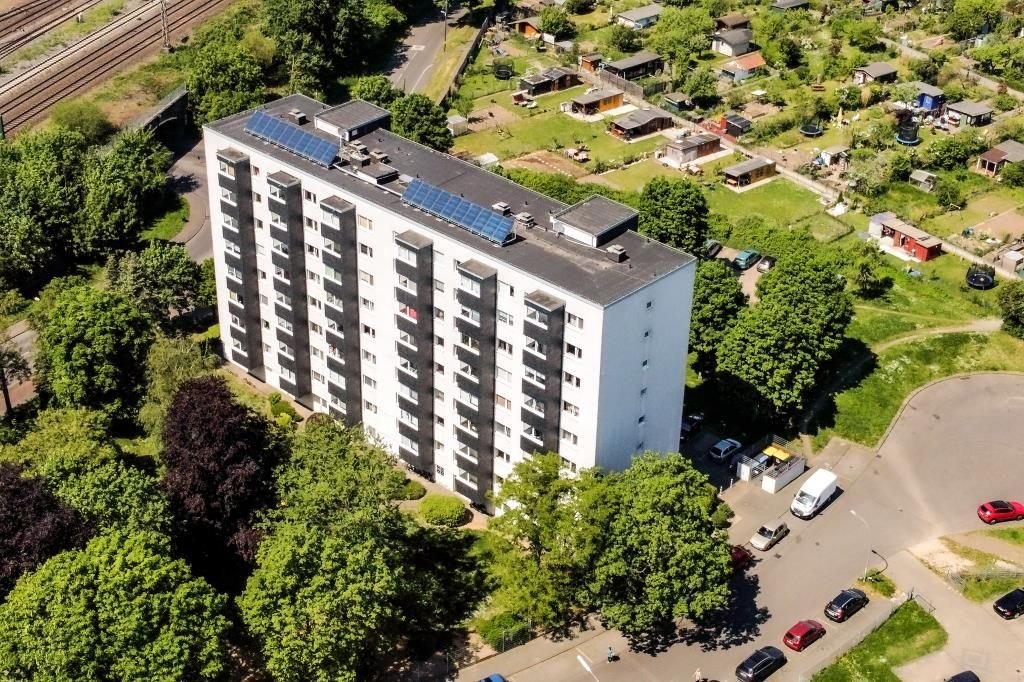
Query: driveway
956, 442
188, 175
415, 59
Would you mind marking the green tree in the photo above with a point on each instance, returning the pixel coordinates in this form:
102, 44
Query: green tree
161, 279
13, 369
681, 35
717, 301
869, 283
900, 166
947, 192
207, 297
661, 558
864, 34
224, 79
85, 117
420, 120
952, 151
1011, 303
555, 20
119, 610
675, 212
702, 86
968, 17
1013, 174
92, 352
624, 38
171, 361
376, 90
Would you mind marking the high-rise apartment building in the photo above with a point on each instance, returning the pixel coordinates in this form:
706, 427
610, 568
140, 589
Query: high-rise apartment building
465, 321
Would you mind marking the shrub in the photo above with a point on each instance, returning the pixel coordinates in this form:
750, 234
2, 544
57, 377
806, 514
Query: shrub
412, 490
441, 510
279, 406
503, 631
722, 515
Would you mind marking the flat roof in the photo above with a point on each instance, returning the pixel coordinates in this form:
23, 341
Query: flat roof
353, 114
890, 220
748, 166
583, 270
921, 175
735, 36
596, 214
877, 69
733, 19
970, 108
638, 59
597, 96
691, 141
639, 13
640, 117
927, 89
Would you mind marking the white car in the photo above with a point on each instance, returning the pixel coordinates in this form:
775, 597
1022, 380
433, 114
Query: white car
724, 449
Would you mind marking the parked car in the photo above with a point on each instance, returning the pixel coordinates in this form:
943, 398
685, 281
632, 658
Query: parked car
966, 676
741, 557
744, 259
803, 634
724, 449
766, 264
1010, 605
712, 247
760, 664
845, 604
817, 491
1001, 510
692, 424
768, 535
494, 677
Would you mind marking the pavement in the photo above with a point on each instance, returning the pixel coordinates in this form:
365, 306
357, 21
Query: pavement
188, 174
414, 61
956, 443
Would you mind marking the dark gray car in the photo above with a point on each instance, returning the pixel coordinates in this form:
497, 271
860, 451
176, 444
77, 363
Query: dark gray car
760, 664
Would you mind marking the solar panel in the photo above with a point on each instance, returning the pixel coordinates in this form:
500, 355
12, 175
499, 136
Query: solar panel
291, 137
467, 215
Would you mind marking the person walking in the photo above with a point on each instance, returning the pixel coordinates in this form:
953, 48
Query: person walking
611, 655
698, 676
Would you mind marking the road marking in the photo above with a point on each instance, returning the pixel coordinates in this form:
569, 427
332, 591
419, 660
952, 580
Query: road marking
583, 655
417, 48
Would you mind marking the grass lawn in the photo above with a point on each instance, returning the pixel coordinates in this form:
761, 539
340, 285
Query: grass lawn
168, 225
864, 411
981, 587
910, 633
781, 201
909, 202
458, 40
978, 209
1011, 535
68, 32
878, 582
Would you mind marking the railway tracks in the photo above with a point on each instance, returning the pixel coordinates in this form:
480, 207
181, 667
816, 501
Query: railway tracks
102, 53
23, 24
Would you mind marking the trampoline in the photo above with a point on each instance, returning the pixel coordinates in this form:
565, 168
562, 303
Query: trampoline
811, 130
981, 277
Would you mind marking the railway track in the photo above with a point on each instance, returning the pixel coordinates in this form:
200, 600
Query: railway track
29, 96
23, 24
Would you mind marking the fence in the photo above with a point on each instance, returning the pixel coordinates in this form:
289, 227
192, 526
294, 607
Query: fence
453, 86
460, 657
959, 579
602, 77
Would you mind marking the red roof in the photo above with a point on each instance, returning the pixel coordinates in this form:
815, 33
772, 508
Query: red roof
749, 62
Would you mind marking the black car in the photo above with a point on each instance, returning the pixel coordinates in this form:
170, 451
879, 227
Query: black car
760, 664
966, 676
845, 604
692, 423
1011, 605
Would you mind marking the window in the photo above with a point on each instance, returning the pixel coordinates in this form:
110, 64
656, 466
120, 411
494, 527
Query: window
533, 375
532, 433
467, 452
285, 348
407, 393
438, 285
234, 272
407, 366
312, 251
407, 284
228, 196
467, 478
406, 442
574, 320
311, 224
438, 313
406, 255
328, 218
468, 398
535, 346
643, 391
369, 331
533, 404
363, 221
319, 378
641, 419
276, 192
232, 247
366, 303
262, 274
408, 311
257, 197
369, 357
438, 341
283, 299
264, 300
467, 424
366, 250
279, 246
369, 381
407, 339
502, 429
503, 375
309, 196
439, 368
644, 364
336, 378
575, 351
236, 321
226, 168
266, 348
365, 277
259, 224
277, 220
265, 323
315, 328
650, 305
438, 394
369, 407
280, 273
570, 437
316, 352
332, 274
647, 333
537, 317
470, 314
312, 276
569, 408
314, 302
236, 297
439, 420
502, 401
261, 250
285, 325
469, 285
230, 222
566, 464
469, 342
255, 170
287, 374
469, 370
506, 318
332, 246
335, 327
501, 454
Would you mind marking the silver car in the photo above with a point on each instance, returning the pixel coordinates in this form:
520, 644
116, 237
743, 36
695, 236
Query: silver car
768, 535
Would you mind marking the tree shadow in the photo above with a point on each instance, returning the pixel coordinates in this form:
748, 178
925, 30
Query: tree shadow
853, 363
739, 623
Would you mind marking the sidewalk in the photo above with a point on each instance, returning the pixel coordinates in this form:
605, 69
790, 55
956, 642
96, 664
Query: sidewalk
979, 640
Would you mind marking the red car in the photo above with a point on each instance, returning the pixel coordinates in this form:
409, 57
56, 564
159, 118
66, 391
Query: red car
803, 634
1000, 510
741, 558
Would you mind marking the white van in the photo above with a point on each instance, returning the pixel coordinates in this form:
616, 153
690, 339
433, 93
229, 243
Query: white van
814, 494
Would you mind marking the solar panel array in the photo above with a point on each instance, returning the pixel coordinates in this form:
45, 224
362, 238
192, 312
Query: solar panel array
291, 137
479, 220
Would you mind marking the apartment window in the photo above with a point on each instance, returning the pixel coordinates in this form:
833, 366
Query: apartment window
277, 220
264, 300
641, 419
439, 368
315, 302
283, 299
469, 370
467, 424
406, 255
534, 404
467, 478
468, 398
575, 351
332, 274
467, 452
574, 320
234, 272
438, 285
312, 276
369, 407
406, 442
504, 346
369, 357
287, 374
276, 192
333, 351
237, 345
259, 224
407, 366
439, 395
369, 381
502, 401
366, 250
501, 454
535, 346
647, 333
262, 274
228, 196
532, 432
644, 364
505, 286
469, 285
569, 408
650, 305
407, 393
469, 342
316, 352
257, 197
533, 375
232, 247
280, 273
506, 318
369, 331
503, 375
261, 250
266, 348
236, 297
230, 221
332, 246
319, 378
265, 323
328, 218
438, 313
285, 348
406, 339
236, 321
537, 317
336, 378
470, 314
643, 391
566, 464
312, 251
502, 429
285, 325
407, 284
439, 420
408, 311
335, 327
315, 328
311, 224
226, 168
363, 221
279, 246
438, 341
366, 303
365, 277
309, 196
570, 437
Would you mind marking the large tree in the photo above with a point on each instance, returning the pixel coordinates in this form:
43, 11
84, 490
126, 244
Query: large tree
660, 558
172, 360
681, 35
224, 78
219, 457
338, 545
1011, 303
718, 299
92, 352
13, 368
420, 120
675, 212
376, 90
120, 610
555, 21
969, 17
34, 526
161, 279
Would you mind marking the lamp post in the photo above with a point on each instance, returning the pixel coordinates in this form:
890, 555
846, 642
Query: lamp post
868, 527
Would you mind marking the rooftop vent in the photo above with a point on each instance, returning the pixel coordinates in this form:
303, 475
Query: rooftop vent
358, 146
502, 208
524, 220
297, 117
616, 253
358, 159
379, 155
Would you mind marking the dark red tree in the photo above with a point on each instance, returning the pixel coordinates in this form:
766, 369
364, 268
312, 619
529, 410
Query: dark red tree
34, 525
220, 458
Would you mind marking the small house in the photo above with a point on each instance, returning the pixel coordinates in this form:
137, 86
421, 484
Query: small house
640, 65
732, 43
458, 125
639, 123
992, 161
875, 72
923, 180
732, 21
735, 125
749, 172
929, 97
970, 113
552, 80
676, 102
640, 18
742, 68
688, 149
837, 153
591, 62
528, 27
596, 101
790, 4
894, 234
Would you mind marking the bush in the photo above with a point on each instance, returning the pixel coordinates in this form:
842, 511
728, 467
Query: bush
722, 515
412, 490
503, 631
12, 302
442, 510
282, 411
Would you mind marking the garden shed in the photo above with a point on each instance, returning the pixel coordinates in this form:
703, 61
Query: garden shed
749, 172
971, 113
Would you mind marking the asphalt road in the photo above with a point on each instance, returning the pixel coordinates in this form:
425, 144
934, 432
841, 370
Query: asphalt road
956, 444
415, 59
